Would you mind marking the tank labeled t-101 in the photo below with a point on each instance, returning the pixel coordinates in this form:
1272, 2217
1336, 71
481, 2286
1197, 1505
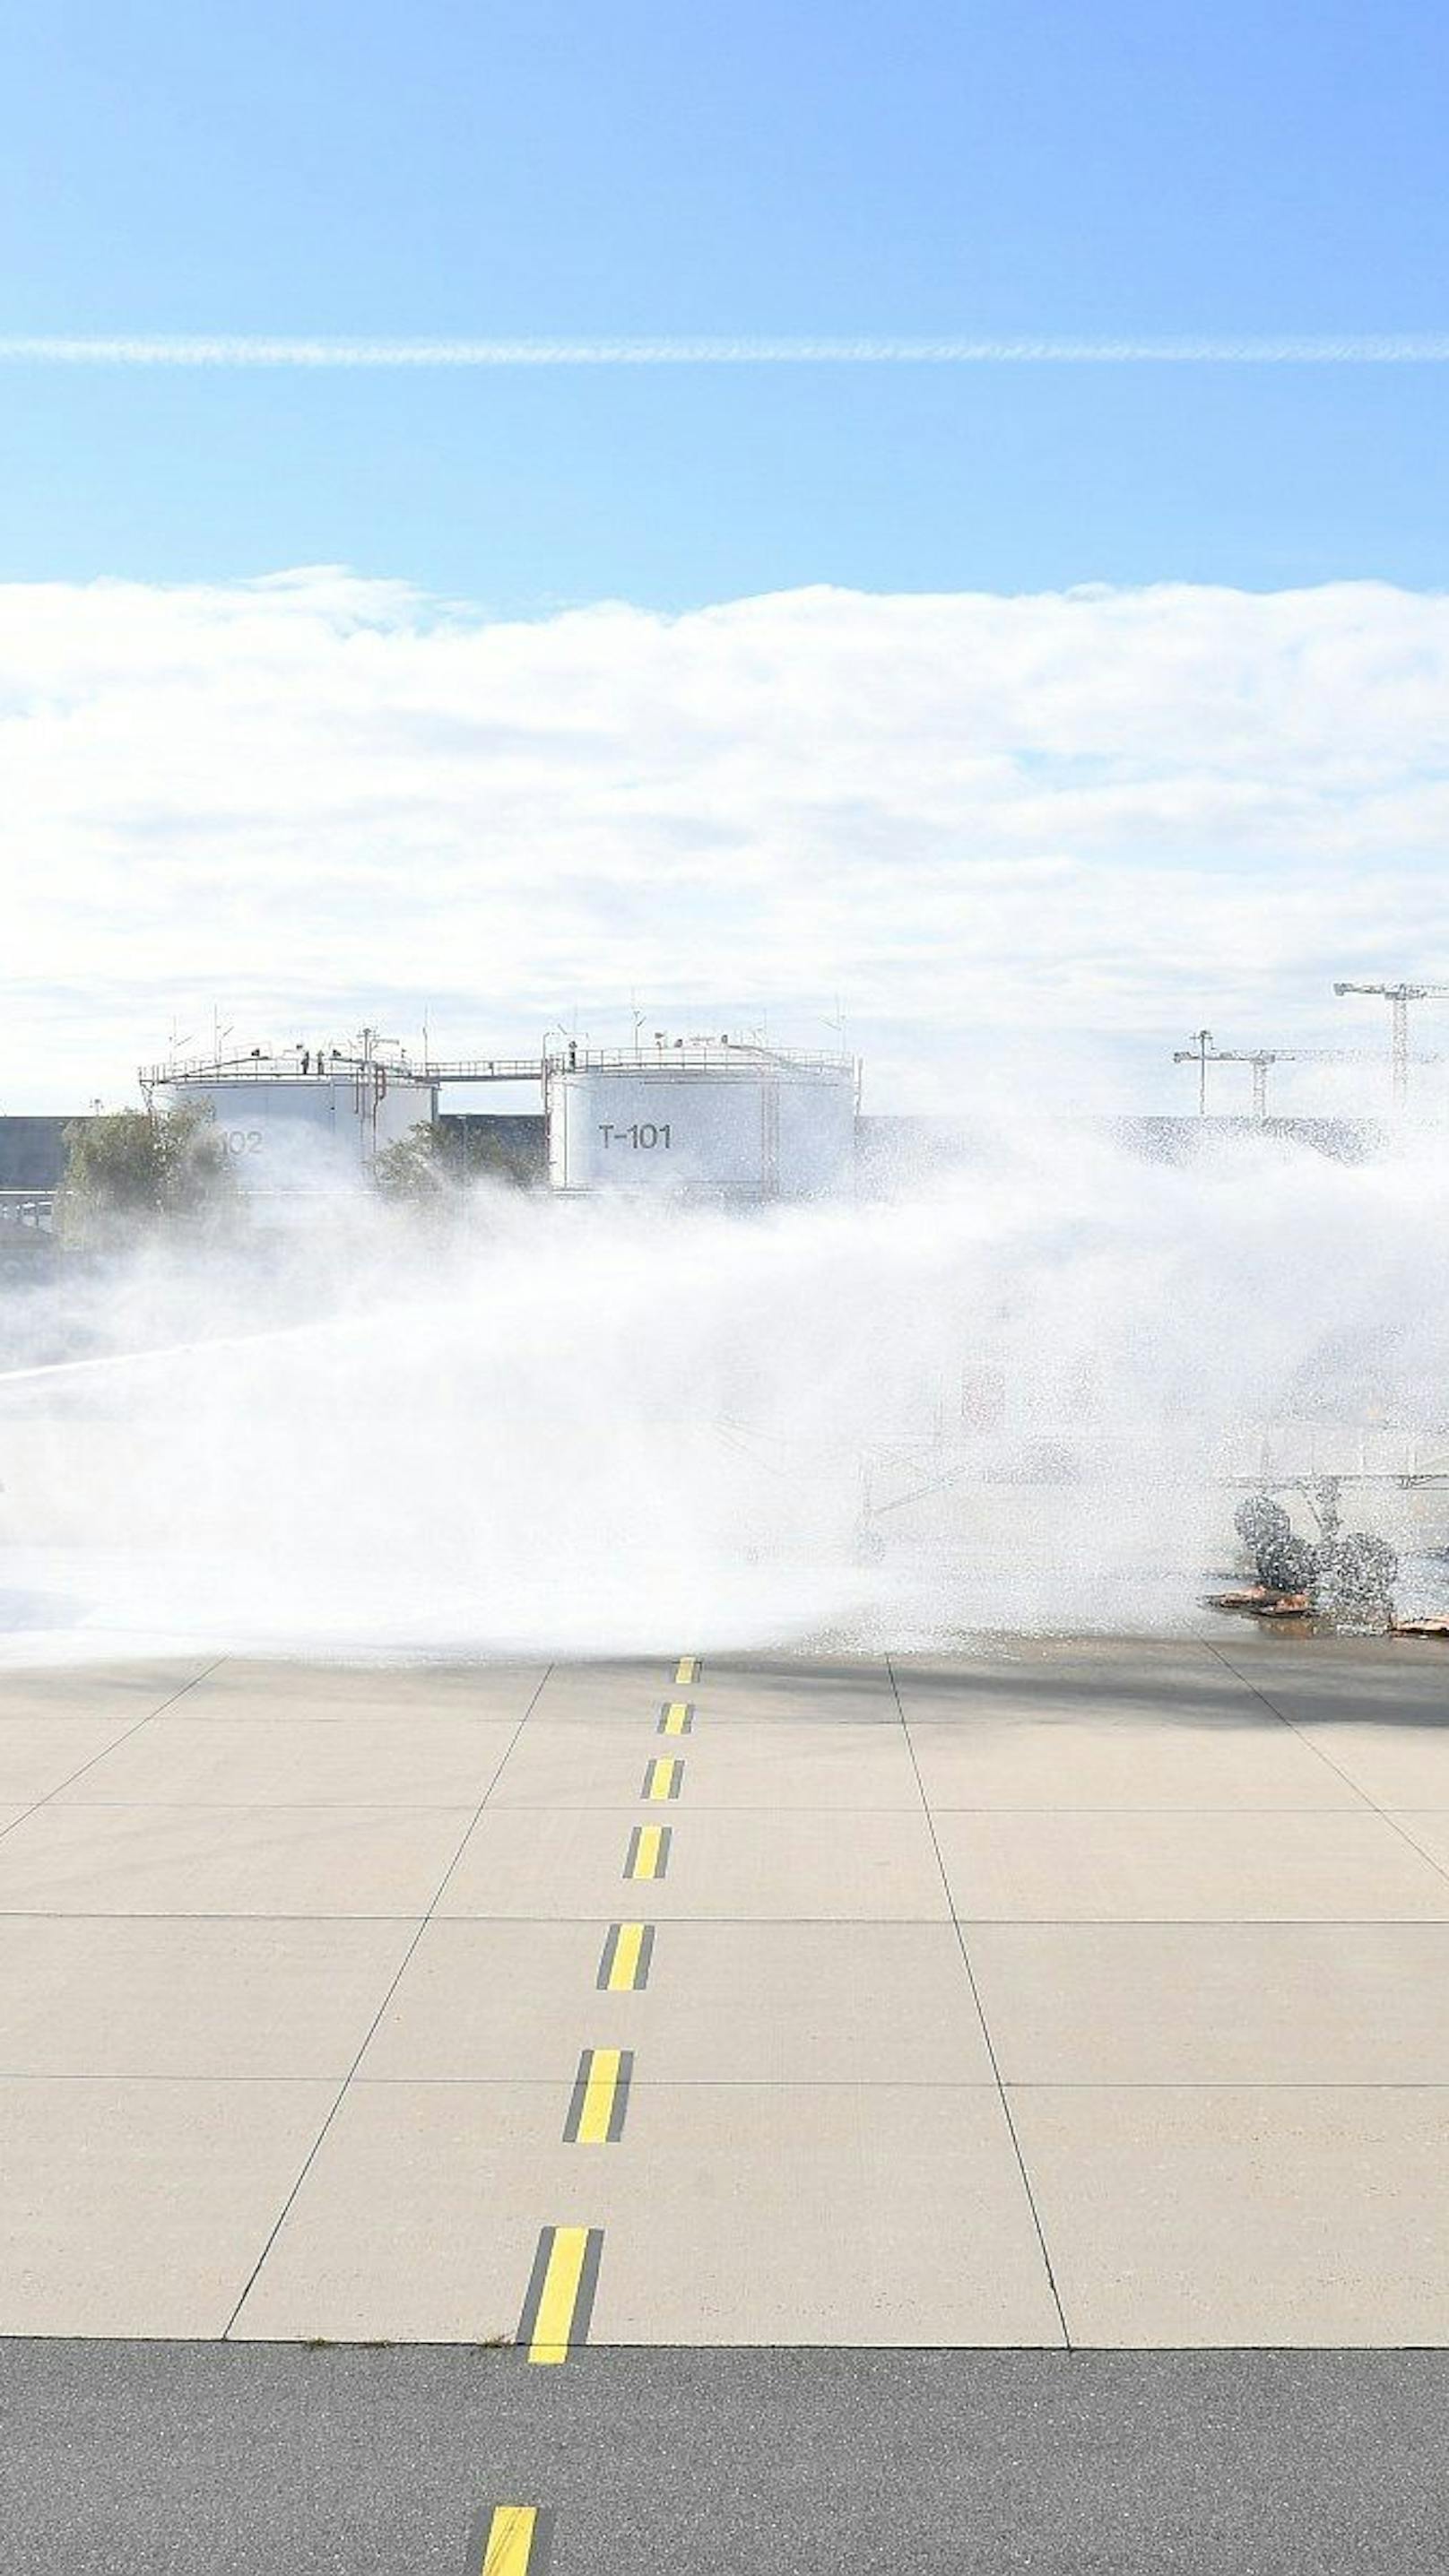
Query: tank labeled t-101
731, 1122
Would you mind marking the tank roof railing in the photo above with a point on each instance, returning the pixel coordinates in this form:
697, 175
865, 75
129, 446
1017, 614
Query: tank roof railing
262, 1066
266, 1067
689, 1055
697, 1056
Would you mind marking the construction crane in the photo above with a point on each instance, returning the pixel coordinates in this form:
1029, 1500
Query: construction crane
1259, 1057
1202, 1053
1199, 1053
1398, 997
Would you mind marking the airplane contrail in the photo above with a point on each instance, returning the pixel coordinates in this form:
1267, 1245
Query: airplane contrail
1396, 349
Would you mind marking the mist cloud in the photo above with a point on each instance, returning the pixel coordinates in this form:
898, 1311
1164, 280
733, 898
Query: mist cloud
1017, 1400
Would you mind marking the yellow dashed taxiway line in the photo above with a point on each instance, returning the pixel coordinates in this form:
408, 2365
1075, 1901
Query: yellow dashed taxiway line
663, 1777
600, 2098
676, 1717
627, 1953
686, 1671
560, 2297
512, 2540
648, 1851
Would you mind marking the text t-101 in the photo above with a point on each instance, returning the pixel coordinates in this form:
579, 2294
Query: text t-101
644, 1138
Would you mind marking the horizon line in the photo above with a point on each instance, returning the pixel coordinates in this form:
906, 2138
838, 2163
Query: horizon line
258, 350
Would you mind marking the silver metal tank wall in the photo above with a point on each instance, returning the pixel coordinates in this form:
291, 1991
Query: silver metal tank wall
738, 1127
299, 1132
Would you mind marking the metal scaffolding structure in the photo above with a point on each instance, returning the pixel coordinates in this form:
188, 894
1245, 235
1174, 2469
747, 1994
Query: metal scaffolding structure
1398, 997
1204, 1050
1203, 1053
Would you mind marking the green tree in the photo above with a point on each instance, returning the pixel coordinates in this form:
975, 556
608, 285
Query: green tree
432, 1165
130, 1173
409, 1171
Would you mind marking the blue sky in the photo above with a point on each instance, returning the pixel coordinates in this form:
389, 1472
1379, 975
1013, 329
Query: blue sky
666, 169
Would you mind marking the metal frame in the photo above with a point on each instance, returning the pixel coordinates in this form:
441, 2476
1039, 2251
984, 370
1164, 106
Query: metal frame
29, 1211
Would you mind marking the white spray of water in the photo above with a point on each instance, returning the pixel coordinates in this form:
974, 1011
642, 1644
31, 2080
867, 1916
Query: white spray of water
1006, 1401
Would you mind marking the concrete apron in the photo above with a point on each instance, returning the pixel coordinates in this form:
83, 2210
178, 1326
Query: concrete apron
1063, 1993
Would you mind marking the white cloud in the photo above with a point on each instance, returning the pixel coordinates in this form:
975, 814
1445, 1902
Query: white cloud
1199, 349
315, 799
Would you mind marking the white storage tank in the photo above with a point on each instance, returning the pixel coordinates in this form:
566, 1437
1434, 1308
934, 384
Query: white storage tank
296, 1124
731, 1122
